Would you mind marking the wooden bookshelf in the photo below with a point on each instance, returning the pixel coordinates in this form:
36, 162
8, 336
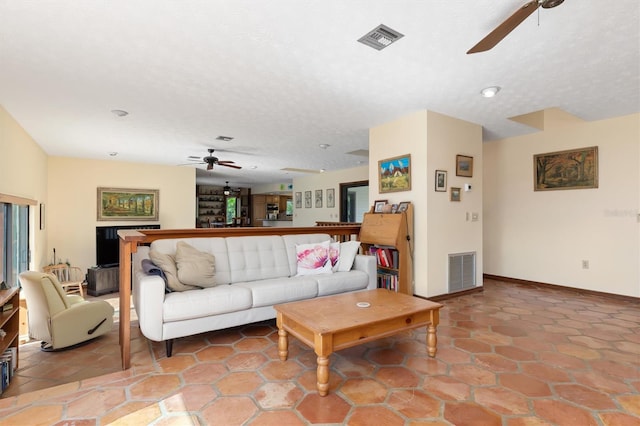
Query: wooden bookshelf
10, 321
393, 234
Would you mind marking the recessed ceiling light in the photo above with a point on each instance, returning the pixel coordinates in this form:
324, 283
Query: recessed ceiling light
322, 170
224, 138
253, 167
490, 92
324, 145
120, 112
113, 154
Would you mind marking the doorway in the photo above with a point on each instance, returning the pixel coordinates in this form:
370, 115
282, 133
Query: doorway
354, 201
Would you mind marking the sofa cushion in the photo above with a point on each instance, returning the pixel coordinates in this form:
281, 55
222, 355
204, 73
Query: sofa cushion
257, 258
167, 263
195, 267
290, 242
281, 290
348, 252
214, 245
216, 300
340, 282
313, 258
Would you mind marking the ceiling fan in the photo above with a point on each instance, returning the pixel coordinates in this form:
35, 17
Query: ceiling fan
211, 161
502, 30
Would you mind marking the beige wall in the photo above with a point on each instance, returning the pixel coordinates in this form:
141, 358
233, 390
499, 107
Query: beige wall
72, 207
440, 226
449, 226
324, 181
544, 236
23, 173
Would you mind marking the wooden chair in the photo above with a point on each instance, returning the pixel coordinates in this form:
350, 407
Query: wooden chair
71, 278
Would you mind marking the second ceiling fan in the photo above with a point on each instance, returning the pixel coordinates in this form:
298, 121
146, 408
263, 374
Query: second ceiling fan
502, 30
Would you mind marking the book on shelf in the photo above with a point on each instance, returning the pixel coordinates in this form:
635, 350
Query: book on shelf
7, 367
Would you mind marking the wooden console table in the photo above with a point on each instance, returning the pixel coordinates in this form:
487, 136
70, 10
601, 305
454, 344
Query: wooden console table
131, 239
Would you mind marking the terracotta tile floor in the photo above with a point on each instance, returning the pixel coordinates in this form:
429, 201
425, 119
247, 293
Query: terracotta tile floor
512, 355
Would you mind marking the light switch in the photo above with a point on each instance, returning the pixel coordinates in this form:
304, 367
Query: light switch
475, 216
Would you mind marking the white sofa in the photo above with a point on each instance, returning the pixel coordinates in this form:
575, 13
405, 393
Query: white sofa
252, 274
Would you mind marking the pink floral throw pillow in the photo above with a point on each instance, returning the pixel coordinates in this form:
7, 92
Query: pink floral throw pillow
313, 258
334, 255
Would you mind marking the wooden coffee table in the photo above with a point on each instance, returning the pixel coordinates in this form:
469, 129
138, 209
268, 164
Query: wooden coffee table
332, 323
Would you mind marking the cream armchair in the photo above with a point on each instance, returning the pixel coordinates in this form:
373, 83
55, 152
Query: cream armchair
59, 319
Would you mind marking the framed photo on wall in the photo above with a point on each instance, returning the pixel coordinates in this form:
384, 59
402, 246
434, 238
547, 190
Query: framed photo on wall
571, 169
127, 204
441, 181
394, 174
331, 198
455, 194
307, 199
464, 166
318, 198
298, 200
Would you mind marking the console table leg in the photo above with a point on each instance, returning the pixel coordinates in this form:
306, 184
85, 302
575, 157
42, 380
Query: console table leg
283, 344
432, 340
323, 375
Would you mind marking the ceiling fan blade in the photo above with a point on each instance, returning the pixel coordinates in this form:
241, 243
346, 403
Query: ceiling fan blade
229, 165
209, 166
502, 30
226, 162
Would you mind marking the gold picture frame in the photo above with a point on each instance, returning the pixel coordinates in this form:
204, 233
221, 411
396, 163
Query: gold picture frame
394, 174
464, 165
128, 204
570, 169
455, 194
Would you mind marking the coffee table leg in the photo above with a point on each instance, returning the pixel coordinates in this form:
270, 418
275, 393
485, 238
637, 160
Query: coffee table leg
283, 344
432, 340
323, 375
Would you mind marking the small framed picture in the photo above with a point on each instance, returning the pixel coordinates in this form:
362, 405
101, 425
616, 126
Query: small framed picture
455, 194
318, 198
331, 197
378, 206
441, 181
403, 206
298, 200
307, 199
394, 208
464, 166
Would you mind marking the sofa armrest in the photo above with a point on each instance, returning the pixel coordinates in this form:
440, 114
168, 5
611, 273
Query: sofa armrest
367, 264
148, 300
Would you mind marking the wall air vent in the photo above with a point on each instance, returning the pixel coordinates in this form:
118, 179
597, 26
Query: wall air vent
462, 271
380, 37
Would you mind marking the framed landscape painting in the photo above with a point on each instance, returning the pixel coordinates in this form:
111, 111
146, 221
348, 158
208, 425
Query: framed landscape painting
394, 174
127, 204
464, 166
571, 169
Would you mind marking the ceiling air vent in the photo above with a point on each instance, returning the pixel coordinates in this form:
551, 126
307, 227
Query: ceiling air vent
380, 37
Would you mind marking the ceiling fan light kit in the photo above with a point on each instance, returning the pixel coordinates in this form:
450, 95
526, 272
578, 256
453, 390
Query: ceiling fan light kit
510, 24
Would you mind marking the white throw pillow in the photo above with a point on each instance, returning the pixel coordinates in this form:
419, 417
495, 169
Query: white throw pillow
313, 258
348, 251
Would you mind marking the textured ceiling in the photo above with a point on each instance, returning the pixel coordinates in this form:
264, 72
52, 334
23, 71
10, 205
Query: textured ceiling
283, 76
